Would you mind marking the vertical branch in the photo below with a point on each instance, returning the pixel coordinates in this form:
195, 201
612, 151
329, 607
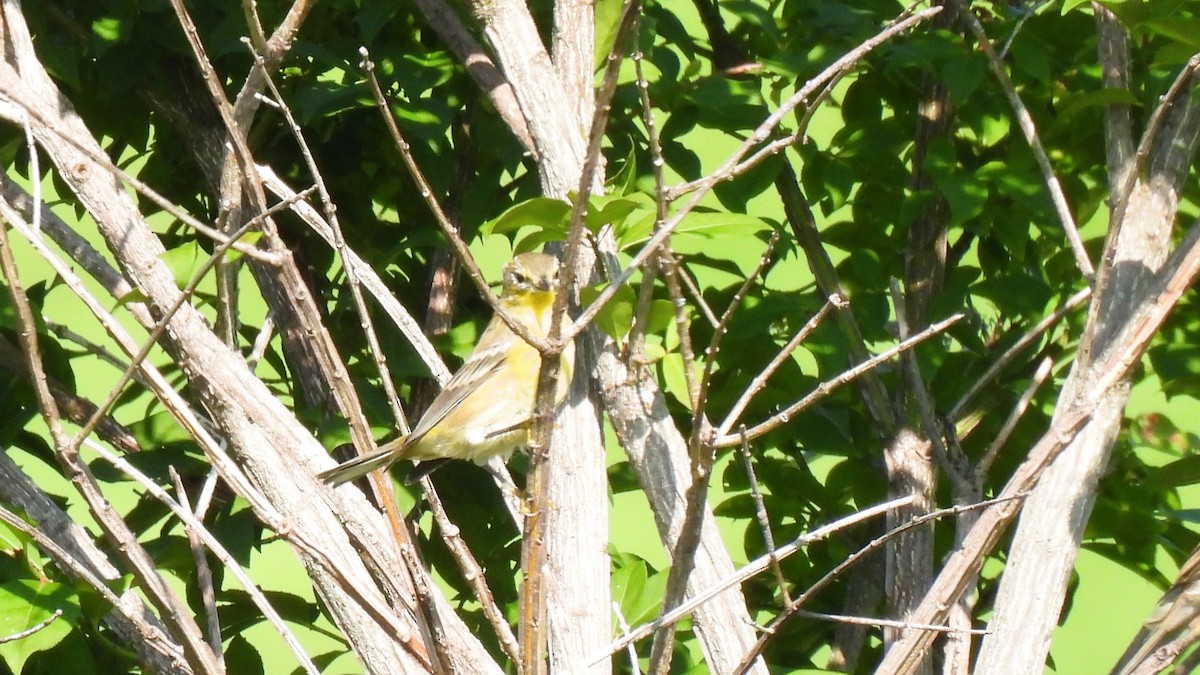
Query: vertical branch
764, 522
565, 493
204, 578
703, 455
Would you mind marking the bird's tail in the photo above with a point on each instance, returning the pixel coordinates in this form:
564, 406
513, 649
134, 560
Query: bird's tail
363, 464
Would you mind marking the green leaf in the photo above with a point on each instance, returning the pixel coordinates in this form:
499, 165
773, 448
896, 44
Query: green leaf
715, 224
243, 657
1177, 365
616, 317
159, 429
542, 212
661, 316
134, 295
604, 210
108, 28
638, 592
1073, 104
673, 378
965, 194
624, 181
249, 239
607, 20
184, 261
1179, 473
1181, 29
963, 76
27, 603
1015, 294
1069, 5
12, 540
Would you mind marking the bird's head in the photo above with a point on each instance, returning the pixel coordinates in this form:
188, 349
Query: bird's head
530, 273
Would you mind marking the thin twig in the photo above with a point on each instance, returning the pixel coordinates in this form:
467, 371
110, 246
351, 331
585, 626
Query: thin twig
32, 629
751, 569
773, 628
760, 381
637, 332
888, 623
1012, 352
472, 572
764, 522
1027, 13
339, 243
1025, 121
460, 248
204, 578
989, 456
93, 348
822, 390
409, 327
656, 158
697, 297
635, 668
714, 345
757, 136
772, 148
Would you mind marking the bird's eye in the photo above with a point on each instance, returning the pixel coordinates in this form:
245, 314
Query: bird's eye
519, 278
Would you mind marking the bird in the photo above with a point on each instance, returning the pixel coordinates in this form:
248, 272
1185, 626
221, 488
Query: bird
486, 408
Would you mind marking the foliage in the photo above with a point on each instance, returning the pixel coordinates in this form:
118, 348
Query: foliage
1008, 265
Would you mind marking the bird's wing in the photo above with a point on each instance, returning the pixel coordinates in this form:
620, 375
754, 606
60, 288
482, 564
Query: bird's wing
481, 365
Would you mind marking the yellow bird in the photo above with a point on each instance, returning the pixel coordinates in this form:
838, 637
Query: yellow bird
485, 409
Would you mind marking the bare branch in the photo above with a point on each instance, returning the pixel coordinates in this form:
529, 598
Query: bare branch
887, 623
752, 569
480, 67
757, 136
784, 416
370, 279
1017, 347
764, 522
204, 579
835, 573
472, 572
173, 610
201, 533
1025, 121
760, 381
